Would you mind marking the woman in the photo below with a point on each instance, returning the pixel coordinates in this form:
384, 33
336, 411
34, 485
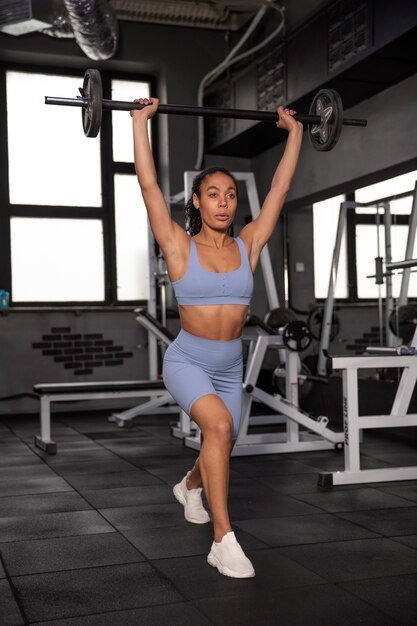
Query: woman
212, 277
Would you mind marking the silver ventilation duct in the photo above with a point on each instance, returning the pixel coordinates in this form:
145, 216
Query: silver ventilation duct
95, 27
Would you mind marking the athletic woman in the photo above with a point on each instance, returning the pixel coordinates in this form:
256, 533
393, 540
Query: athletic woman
212, 276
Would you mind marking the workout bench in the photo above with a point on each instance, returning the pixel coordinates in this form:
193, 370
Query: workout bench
65, 392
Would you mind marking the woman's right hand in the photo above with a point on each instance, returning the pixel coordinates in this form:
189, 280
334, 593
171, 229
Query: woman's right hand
148, 111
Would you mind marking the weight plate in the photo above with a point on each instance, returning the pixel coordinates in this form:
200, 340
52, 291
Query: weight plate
315, 322
402, 322
296, 336
328, 104
91, 113
277, 318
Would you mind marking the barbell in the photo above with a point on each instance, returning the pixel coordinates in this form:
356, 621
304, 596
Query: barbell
325, 118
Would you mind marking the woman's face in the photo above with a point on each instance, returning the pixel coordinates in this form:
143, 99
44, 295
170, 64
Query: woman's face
218, 201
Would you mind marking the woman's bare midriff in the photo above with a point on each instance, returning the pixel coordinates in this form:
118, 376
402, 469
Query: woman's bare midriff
220, 322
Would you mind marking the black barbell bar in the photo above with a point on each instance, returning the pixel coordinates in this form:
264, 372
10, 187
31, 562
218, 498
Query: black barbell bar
183, 109
325, 118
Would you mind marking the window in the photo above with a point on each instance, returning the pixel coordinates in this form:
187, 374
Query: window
325, 220
50, 160
63, 257
76, 229
370, 237
364, 239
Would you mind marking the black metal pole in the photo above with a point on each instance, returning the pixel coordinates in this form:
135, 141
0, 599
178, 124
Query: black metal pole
183, 109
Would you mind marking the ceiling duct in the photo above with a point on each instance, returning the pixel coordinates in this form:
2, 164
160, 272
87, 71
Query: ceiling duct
95, 27
216, 15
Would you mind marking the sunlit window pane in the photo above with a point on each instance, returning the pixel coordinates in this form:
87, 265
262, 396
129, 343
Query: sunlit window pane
367, 250
122, 122
131, 240
325, 219
386, 189
51, 162
57, 260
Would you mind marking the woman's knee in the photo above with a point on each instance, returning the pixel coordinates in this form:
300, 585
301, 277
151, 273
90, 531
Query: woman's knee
220, 428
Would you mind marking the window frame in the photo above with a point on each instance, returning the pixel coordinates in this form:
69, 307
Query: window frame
105, 213
354, 219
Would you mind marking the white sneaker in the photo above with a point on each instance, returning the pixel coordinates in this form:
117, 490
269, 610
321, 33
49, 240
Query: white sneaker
191, 500
229, 558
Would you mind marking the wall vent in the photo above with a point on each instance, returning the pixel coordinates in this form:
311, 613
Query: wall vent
218, 128
349, 31
270, 74
18, 17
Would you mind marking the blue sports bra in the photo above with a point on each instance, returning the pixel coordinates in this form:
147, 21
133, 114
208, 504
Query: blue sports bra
199, 286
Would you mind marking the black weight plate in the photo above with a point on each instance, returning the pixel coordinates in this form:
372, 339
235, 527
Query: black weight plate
91, 114
296, 336
277, 318
328, 104
402, 322
315, 322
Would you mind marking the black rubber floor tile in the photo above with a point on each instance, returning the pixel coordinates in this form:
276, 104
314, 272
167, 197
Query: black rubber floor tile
129, 496
117, 435
275, 506
127, 443
145, 516
10, 462
195, 578
10, 614
180, 541
93, 467
334, 461
43, 484
247, 488
355, 560
89, 427
401, 459
395, 597
34, 469
112, 480
81, 592
324, 605
52, 525
160, 450
65, 457
390, 522
13, 506
2, 572
170, 472
53, 555
409, 492
287, 531
179, 614
407, 540
72, 445
13, 447
278, 467
334, 501
297, 483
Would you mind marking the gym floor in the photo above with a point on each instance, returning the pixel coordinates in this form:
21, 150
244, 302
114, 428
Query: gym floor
93, 535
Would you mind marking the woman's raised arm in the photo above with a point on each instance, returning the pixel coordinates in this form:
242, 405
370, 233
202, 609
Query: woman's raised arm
257, 233
164, 229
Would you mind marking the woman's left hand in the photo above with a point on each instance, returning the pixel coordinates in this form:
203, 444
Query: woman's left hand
286, 119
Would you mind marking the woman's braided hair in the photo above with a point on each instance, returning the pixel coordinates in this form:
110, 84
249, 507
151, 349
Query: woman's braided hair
192, 215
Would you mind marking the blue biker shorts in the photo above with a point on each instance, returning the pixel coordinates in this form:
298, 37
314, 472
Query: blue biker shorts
194, 367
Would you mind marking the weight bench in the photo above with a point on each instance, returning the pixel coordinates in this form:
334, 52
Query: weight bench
65, 392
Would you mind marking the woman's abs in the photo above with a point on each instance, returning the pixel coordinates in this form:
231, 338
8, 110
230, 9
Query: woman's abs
221, 322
